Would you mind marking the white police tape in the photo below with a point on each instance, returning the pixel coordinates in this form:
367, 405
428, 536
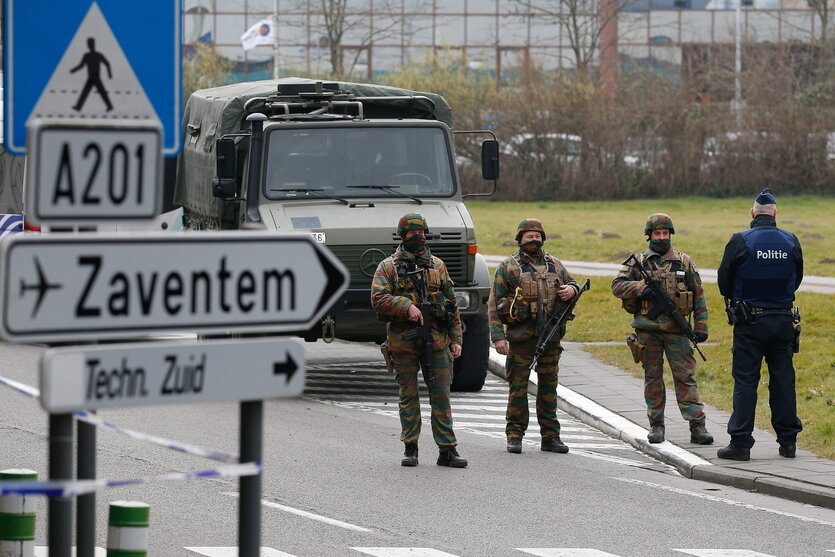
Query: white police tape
20, 387
71, 488
95, 420
161, 441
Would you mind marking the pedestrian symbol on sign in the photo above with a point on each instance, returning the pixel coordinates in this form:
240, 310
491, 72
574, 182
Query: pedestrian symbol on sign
93, 60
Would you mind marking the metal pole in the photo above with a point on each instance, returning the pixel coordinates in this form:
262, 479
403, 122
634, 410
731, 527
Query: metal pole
249, 513
275, 39
738, 65
59, 534
85, 505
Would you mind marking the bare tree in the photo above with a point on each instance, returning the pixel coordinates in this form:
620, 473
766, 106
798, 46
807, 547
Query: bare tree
364, 22
823, 9
581, 21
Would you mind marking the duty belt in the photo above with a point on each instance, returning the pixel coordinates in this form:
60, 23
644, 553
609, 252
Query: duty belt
759, 312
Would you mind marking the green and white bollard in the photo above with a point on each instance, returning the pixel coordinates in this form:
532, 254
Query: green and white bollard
17, 518
127, 532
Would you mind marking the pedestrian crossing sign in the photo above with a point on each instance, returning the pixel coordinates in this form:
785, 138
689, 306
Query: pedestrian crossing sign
93, 59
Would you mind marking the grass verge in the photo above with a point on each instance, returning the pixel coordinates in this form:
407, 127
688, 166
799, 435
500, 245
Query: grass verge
600, 317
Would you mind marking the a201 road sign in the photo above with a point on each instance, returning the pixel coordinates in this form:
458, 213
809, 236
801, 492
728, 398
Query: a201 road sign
54, 287
120, 375
95, 170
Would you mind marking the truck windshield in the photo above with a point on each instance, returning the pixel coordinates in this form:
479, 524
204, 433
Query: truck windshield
382, 161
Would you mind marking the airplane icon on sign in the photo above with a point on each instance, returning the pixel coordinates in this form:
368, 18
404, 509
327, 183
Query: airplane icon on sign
42, 287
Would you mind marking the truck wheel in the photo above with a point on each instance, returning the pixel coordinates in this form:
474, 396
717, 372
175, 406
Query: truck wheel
470, 369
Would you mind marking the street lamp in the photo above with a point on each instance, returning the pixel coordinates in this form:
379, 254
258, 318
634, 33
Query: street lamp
738, 61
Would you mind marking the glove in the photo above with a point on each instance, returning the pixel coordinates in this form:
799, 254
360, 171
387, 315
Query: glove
647, 294
700, 337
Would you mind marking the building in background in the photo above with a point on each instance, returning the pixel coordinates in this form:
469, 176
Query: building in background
493, 35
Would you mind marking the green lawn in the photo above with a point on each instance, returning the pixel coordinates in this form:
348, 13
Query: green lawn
608, 231
600, 317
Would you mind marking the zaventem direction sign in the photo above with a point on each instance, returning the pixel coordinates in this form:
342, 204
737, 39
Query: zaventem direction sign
83, 59
93, 170
58, 287
121, 375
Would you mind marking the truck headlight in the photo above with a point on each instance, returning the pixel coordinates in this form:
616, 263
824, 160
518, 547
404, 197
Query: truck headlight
463, 299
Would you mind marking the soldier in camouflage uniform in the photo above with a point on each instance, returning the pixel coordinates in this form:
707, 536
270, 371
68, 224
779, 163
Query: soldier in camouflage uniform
526, 290
395, 298
653, 338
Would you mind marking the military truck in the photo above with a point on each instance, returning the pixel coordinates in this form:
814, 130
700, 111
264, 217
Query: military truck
342, 161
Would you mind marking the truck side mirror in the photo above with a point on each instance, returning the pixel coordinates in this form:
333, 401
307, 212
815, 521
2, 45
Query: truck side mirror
226, 183
490, 159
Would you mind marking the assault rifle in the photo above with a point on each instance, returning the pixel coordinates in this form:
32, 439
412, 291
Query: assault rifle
423, 332
557, 321
667, 305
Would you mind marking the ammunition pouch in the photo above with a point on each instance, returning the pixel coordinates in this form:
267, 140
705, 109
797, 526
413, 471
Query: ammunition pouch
739, 313
513, 309
639, 351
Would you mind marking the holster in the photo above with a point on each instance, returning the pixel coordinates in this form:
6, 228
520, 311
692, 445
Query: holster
384, 349
796, 341
639, 351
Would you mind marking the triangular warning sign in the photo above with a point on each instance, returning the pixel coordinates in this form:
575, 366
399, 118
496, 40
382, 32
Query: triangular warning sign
94, 79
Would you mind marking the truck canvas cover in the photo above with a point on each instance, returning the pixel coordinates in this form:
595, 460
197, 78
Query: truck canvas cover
211, 113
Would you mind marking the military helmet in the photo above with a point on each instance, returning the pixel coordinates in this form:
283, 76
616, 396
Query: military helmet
411, 221
659, 220
528, 225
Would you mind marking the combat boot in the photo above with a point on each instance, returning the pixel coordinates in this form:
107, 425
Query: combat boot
410, 456
699, 434
656, 433
554, 445
788, 451
514, 445
732, 452
450, 457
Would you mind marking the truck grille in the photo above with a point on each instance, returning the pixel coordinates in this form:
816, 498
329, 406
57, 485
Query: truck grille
362, 267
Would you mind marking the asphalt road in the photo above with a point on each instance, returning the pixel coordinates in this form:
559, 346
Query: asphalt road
333, 484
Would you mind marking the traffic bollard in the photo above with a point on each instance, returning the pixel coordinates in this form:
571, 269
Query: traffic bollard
17, 518
127, 532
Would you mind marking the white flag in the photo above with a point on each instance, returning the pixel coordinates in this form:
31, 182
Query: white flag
260, 33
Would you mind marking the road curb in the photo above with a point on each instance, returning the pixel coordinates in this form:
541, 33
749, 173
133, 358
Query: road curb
589, 412
686, 463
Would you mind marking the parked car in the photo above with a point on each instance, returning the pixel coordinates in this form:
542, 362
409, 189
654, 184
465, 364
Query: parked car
561, 148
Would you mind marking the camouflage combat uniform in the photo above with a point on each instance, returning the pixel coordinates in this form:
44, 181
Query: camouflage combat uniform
662, 336
512, 319
392, 292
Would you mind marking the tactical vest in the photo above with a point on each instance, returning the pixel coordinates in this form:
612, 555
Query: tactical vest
673, 279
405, 286
538, 284
767, 277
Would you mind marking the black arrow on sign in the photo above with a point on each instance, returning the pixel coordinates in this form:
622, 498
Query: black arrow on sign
287, 367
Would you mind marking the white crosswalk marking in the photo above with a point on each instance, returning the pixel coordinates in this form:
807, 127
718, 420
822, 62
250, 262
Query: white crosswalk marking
402, 552
367, 386
233, 552
722, 553
43, 551
566, 552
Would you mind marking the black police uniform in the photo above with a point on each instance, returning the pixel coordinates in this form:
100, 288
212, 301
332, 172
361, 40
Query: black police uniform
763, 267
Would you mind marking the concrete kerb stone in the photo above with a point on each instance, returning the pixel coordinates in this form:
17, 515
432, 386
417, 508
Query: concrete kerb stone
686, 463
610, 423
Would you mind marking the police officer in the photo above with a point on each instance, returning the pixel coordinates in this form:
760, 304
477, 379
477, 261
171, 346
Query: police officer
402, 281
527, 287
760, 271
656, 333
